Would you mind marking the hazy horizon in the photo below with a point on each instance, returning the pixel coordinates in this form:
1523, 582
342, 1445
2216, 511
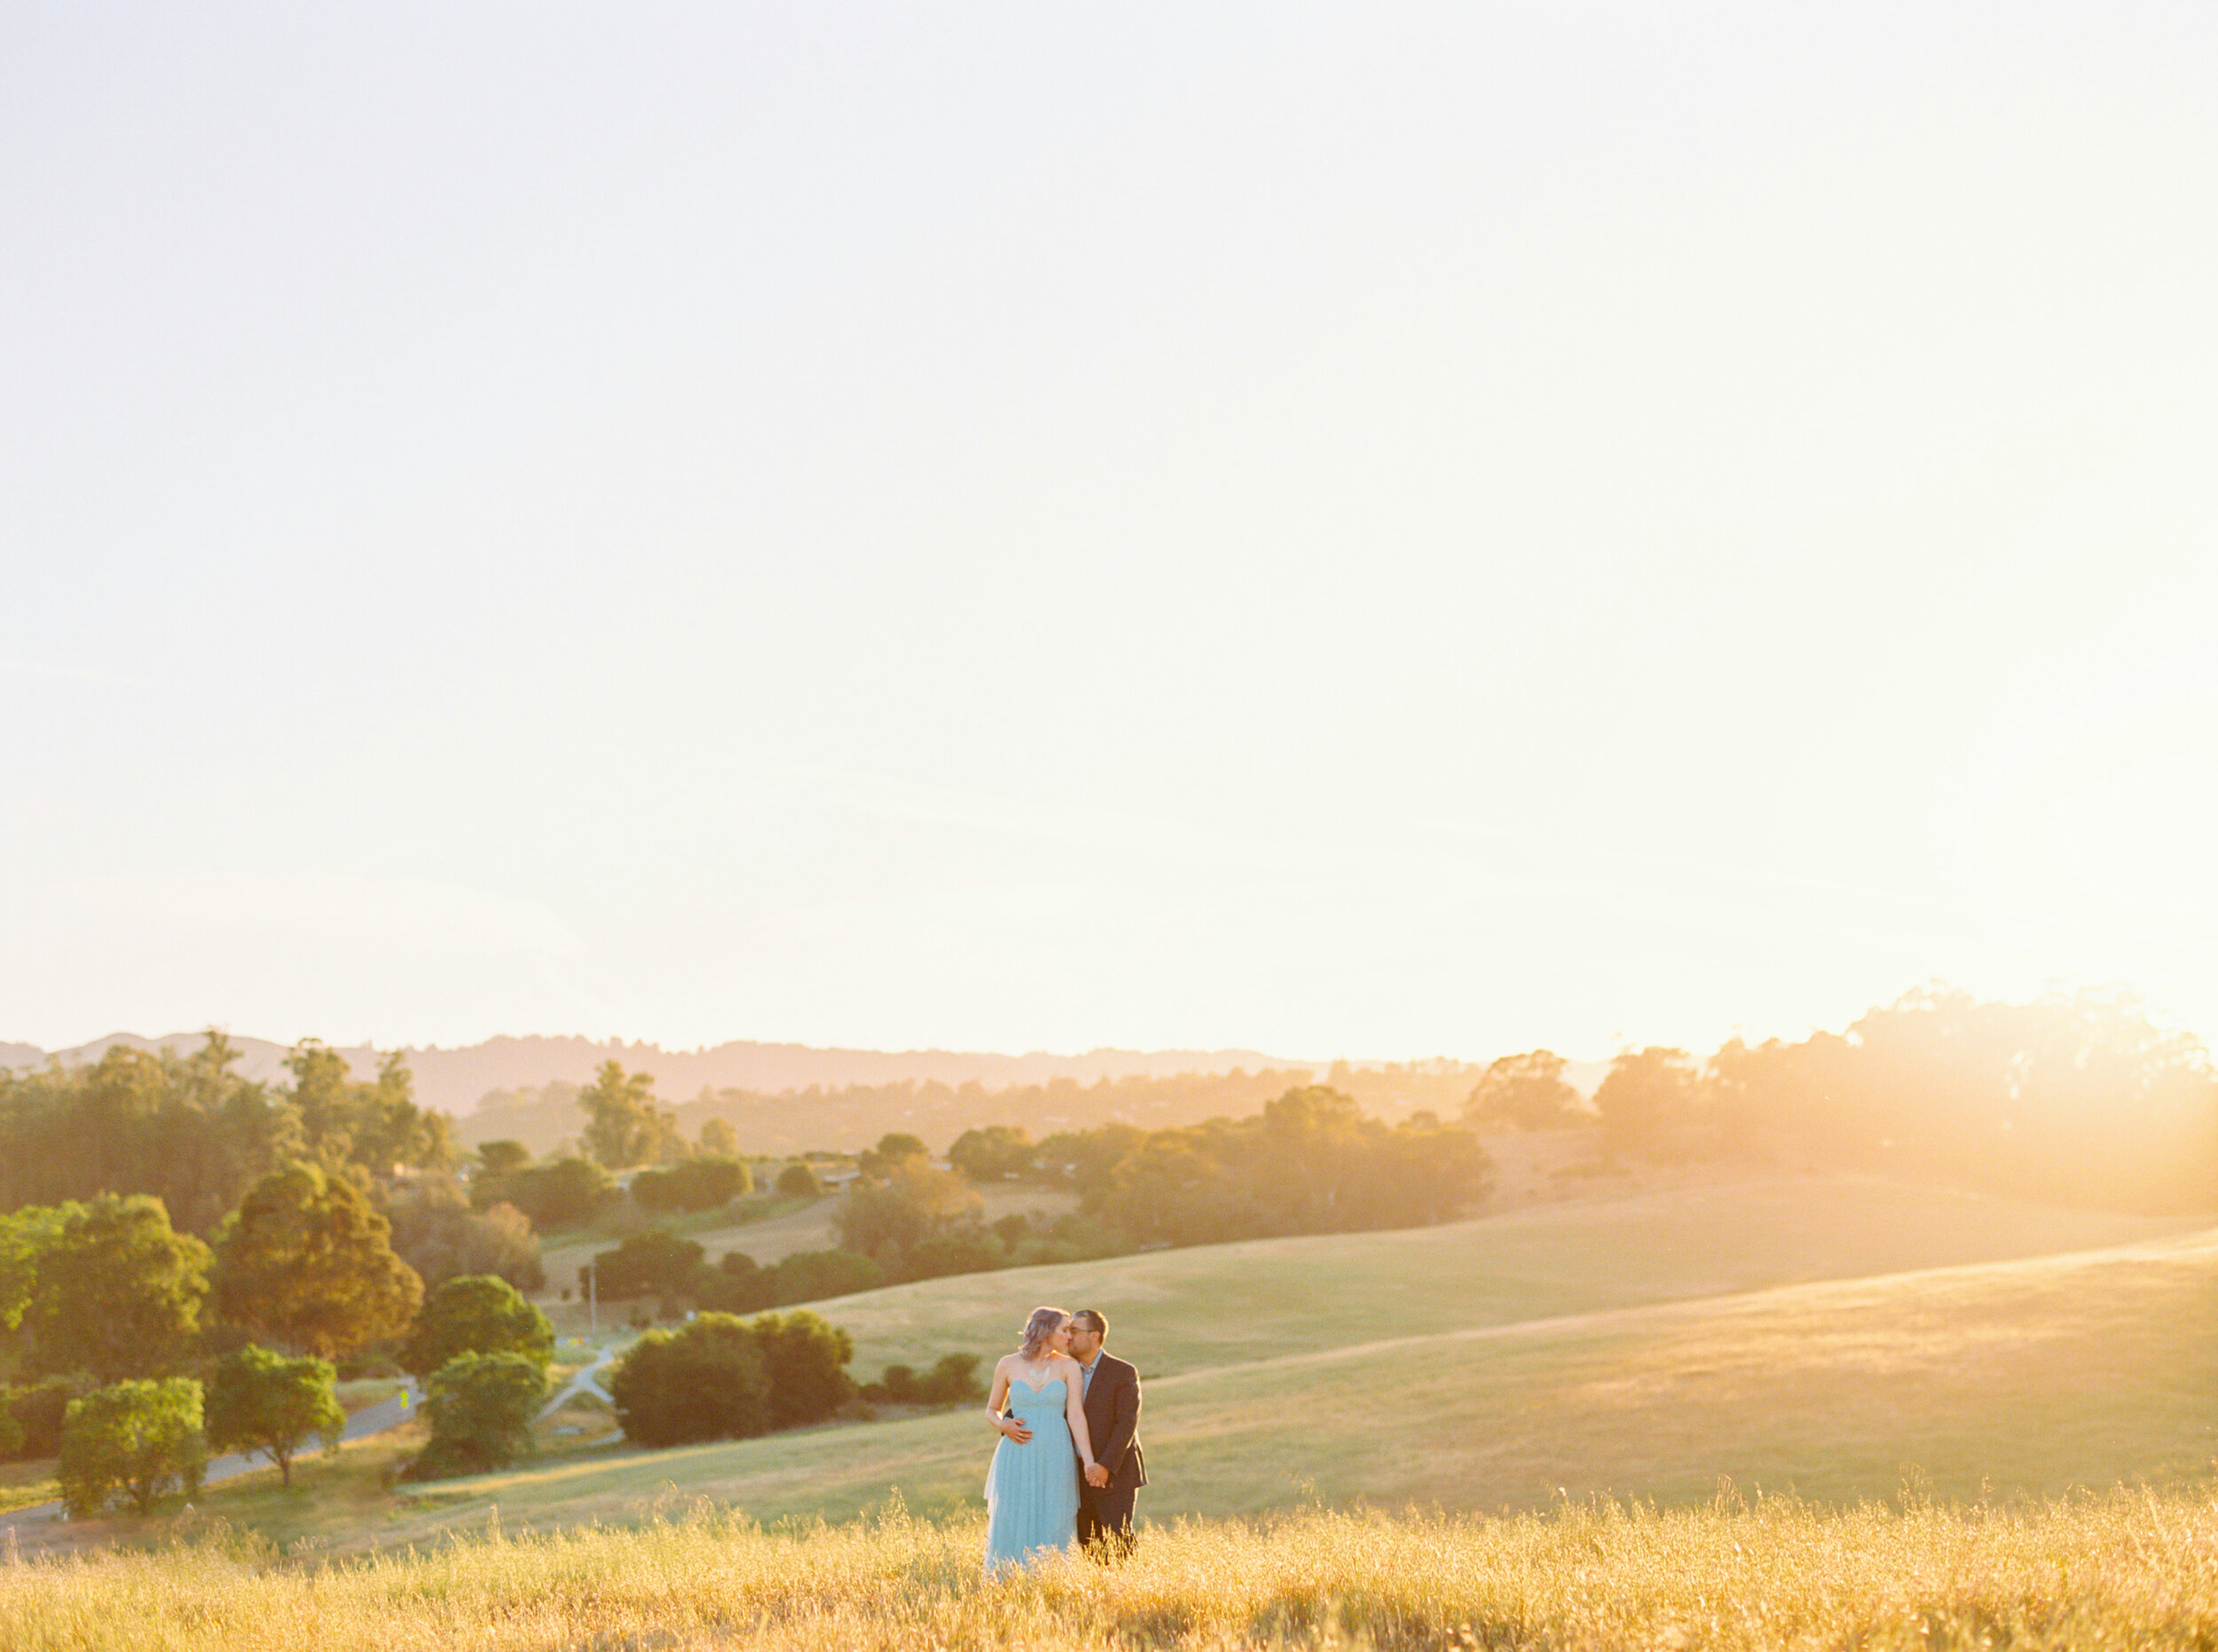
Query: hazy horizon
1399, 533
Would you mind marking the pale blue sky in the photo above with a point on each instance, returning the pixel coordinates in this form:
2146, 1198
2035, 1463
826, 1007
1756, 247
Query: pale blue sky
1384, 531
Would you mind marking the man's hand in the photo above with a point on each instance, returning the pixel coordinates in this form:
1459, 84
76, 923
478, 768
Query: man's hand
1015, 1429
1096, 1475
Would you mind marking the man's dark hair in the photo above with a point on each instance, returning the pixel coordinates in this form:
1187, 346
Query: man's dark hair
1094, 1320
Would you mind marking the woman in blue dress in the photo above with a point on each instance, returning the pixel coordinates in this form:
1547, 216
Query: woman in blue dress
1038, 1407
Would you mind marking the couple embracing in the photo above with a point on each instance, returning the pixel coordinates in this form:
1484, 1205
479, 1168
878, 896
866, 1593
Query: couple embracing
1067, 1467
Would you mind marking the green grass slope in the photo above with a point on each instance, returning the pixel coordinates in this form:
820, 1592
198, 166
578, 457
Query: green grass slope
1826, 1336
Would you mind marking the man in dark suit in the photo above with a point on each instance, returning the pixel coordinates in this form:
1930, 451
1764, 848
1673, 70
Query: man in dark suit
1107, 1493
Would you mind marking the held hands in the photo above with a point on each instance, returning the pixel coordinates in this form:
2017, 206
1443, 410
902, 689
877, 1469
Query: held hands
1097, 1475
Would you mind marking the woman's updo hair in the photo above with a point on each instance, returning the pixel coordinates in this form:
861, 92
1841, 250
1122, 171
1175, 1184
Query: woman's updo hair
1044, 1323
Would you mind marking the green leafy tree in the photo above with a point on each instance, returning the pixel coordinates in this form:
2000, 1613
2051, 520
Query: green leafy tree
118, 1292
562, 1193
700, 1183
476, 1314
184, 1128
624, 1127
653, 1264
808, 1366
1524, 1092
440, 1235
810, 1276
375, 1124
735, 1286
310, 1265
886, 1219
260, 1401
36, 1412
480, 1407
994, 1154
502, 1158
139, 1440
709, 1379
968, 1249
26, 1236
896, 1148
797, 1180
719, 1139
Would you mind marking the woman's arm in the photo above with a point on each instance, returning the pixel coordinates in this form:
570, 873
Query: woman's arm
1008, 1428
1074, 1409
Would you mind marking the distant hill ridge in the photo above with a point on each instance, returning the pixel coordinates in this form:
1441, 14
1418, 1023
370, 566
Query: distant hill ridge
452, 1080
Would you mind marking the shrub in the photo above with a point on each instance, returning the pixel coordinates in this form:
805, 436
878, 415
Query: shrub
480, 1407
810, 1276
807, 1360
709, 1380
260, 1401
476, 1314
653, 1264
797, 1180
139, 1440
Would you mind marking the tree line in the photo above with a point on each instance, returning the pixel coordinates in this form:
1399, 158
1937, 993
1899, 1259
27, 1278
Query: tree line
2075, 1099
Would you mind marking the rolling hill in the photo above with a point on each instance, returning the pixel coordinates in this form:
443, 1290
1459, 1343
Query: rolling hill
1830, 1336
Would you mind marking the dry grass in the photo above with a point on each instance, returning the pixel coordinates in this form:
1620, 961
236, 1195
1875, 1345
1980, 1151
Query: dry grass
2121, 1570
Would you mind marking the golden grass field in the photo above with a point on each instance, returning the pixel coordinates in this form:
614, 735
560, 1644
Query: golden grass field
2119, 1570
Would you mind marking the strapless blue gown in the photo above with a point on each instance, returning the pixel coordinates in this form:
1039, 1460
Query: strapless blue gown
1032, 1489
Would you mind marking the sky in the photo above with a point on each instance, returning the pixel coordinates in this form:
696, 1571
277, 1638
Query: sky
1383, 530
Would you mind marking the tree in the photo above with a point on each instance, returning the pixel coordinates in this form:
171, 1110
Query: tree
624, 1126
894, 1148
37, 1412
310, 1265
141, 1439
1645, 1098
700, 1183
437, 1232
560, 1193
480, 1407
719, 1139
185, 1128
26, 1236
885, 1219
476, 1314
118, 1292
1524, 1092
502, 1158
375, 1124
708, 1380
260, 1401
810, 1276
994, 1154
807, 1360
653, 1264
735, 1286
797, 1180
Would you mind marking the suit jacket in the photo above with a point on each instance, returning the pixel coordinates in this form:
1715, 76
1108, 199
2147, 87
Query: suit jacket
1113, 1423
